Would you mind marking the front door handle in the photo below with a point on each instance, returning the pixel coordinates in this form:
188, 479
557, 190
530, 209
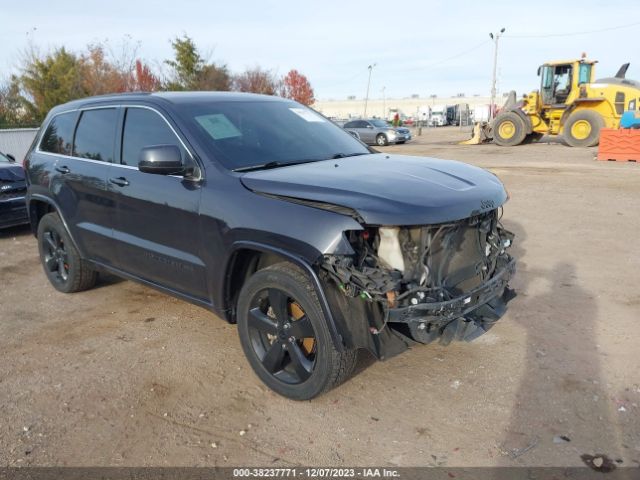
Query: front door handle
63, 169
120, 181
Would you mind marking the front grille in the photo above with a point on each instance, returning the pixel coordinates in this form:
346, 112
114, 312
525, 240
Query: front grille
11, 194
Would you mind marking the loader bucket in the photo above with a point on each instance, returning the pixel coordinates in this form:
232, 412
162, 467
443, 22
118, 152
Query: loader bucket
481, 134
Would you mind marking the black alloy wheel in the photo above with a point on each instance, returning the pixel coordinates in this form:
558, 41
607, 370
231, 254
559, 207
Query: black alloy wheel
282, 336
56, 258
285, 335
63, 265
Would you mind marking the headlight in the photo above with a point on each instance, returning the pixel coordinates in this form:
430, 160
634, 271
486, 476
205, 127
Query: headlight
392, 133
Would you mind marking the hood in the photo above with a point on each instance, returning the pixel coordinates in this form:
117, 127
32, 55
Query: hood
11, 172
387, 189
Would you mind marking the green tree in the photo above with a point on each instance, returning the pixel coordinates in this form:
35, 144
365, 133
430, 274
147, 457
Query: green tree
191, 72
13, 107
57, 78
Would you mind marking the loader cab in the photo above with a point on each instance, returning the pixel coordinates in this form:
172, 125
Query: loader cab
560, 79
556, 83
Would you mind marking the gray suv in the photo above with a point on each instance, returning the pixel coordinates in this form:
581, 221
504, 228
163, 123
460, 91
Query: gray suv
377, 132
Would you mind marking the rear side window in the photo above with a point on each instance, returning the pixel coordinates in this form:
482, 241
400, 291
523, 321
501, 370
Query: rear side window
144, 128
95, 135
59, 134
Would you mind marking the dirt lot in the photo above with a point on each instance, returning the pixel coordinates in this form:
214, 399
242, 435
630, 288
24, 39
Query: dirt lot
123, 375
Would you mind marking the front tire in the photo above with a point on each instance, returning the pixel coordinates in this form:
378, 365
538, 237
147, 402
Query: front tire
508, 129
62, 263
285, 336
583, 129
381, 140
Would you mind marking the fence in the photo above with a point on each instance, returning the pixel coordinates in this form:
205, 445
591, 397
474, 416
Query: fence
17, 141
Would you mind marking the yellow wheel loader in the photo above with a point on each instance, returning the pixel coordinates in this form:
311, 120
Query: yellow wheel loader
569, 103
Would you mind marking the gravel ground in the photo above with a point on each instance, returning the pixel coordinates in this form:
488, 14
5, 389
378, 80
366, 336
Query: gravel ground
124, 376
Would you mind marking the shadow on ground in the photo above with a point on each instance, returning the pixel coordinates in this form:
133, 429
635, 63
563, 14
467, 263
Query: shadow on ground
561, 393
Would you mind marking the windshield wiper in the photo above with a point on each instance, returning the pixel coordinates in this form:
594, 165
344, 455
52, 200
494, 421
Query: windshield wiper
345, 155
277, 164
268, 165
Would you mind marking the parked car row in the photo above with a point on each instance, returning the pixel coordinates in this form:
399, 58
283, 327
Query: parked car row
13, 189
377, 132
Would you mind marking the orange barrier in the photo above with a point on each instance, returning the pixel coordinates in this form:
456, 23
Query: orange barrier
621, 145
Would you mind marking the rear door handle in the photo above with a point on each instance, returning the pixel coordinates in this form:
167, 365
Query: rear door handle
120, 181
63, 169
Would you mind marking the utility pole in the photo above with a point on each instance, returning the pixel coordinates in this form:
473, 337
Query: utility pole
384, 104
366, 99
495, 39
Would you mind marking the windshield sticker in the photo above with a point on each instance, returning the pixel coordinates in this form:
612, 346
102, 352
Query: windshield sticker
218, 126
308, 115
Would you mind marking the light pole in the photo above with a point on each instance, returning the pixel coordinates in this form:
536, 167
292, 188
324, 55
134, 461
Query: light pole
495, 39
384, 104
366, 99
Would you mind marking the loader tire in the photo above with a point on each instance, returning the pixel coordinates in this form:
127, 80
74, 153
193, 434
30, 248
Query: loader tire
508, 129
583, 129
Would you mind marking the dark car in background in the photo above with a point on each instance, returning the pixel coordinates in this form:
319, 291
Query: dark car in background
377, 132
13, 189
268, 214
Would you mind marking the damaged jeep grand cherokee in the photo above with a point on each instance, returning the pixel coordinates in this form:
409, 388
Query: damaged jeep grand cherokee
266, 213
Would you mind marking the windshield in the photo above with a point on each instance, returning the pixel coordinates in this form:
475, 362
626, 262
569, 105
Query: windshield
4, 159
255, 133
380, 123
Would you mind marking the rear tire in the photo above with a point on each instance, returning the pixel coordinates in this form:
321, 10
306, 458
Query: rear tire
508, 129
285, 337
381, 140
583, 129
62, 263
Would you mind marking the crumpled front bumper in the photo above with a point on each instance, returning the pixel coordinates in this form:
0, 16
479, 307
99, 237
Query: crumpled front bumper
462, 318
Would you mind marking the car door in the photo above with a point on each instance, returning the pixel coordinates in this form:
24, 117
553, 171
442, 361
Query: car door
157, 227
366, 131
351, 127
82, 143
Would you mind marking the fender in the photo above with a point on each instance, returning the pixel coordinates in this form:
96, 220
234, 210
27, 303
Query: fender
57, 208
302, 263
525, 118
577, 103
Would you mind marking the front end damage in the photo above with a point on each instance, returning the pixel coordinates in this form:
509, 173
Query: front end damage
439, 282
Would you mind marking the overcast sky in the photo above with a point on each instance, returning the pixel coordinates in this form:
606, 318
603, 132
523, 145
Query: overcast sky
333, 42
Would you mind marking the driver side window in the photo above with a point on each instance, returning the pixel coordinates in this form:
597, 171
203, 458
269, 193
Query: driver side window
143, 128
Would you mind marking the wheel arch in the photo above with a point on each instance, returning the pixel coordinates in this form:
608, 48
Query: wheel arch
247, 257
38, 206
528, 125
600, 106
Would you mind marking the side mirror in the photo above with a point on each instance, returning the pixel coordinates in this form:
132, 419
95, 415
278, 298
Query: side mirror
354, 134
539, 70
161, 160
11, 158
